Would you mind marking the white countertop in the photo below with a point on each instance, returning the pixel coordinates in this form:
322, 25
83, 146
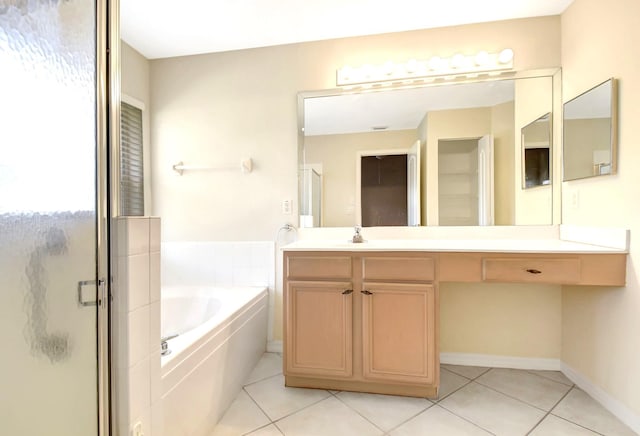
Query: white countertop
453, 245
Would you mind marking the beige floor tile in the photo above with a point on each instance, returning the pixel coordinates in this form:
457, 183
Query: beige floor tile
385, 411
556, 376
580, 408
450, 382
241, 417
437, 421
269, 365
554, 426
469, 372
270, 430
277, 401
493, 411
328, 417
532, 389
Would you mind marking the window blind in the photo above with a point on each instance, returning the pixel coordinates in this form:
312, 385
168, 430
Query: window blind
131, 162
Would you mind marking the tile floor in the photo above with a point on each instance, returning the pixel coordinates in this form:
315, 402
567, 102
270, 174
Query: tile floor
473, 401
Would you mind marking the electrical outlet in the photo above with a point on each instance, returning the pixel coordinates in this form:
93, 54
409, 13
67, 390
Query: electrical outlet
574, 199
137, 429
286, 207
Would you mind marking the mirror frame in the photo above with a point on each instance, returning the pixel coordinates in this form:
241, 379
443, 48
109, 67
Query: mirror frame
554, 73
549, 116
613, 130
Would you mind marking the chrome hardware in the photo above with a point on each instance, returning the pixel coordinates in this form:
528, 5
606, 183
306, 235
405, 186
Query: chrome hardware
534, 271
357, 238
365, 292
347, 291
164, 345
101, 288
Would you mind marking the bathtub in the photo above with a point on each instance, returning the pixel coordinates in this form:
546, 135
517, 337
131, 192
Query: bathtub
222, 333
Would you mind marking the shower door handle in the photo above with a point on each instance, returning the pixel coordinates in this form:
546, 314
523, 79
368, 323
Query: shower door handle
98, 292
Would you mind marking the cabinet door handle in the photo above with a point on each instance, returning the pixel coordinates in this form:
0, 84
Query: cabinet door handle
534, 271
365, 292
347, 291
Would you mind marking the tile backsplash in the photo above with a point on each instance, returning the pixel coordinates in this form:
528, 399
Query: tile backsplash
212, 263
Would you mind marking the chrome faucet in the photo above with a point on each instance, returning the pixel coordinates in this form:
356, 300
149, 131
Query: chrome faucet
357, 238
164, 345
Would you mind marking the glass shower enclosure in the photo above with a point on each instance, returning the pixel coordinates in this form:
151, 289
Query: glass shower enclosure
52, 233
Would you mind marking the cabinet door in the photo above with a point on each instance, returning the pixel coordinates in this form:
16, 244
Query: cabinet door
399, 332
319, 329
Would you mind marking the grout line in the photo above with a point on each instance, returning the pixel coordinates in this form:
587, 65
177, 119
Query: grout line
466, 419
302, 408
264, 426
467, 377
575, 423
570, 384
549, 411
429, 406
521, 400
357, 412
262, 379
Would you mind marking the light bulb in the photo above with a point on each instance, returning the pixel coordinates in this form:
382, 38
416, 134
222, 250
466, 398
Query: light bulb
482, 58
388, 68
435, 63
505, 56
412, 66
457, 61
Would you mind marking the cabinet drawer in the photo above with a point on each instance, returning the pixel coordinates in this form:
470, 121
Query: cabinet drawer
398, 268
318, 267
532, 270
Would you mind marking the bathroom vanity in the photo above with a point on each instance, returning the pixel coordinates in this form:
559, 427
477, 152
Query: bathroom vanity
364, 317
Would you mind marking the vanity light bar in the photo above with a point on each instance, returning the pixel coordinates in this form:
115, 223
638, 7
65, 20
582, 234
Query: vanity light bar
436, 67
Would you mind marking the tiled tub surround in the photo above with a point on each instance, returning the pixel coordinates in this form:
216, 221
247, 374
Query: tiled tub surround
209, 363
136, 325
473, 401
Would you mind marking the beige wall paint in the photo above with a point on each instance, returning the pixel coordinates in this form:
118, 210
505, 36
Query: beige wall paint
583, 138
502, 119
600, 326
491, 319
134, 83
338, 156
219, 108
533, 205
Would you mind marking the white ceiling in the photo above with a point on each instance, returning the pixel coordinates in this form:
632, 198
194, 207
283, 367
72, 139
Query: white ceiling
163, 28
398, 109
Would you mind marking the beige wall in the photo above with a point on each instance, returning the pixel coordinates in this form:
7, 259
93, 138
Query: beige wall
337, 155
504, 154
600, 326
500, 319
134, 84
219, 108
582, 138
533, 205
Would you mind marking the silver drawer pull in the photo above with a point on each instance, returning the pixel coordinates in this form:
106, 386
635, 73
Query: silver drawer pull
347, 291
534, 271
365, 292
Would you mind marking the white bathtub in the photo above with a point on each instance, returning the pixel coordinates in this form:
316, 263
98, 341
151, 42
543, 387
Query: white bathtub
222, 333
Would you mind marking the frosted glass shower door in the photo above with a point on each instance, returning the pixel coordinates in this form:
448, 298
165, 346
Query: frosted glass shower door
48, 226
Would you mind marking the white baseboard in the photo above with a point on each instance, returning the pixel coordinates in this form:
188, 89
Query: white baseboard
495, 361
274, 346
619, 410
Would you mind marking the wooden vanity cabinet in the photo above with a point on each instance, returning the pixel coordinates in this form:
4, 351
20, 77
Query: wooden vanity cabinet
362, 322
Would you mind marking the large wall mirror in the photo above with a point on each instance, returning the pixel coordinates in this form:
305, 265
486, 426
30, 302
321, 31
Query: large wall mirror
536, 152
447, 154
589, 133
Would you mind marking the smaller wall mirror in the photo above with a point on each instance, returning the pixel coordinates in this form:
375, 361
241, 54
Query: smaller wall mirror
590, 133
536, 147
